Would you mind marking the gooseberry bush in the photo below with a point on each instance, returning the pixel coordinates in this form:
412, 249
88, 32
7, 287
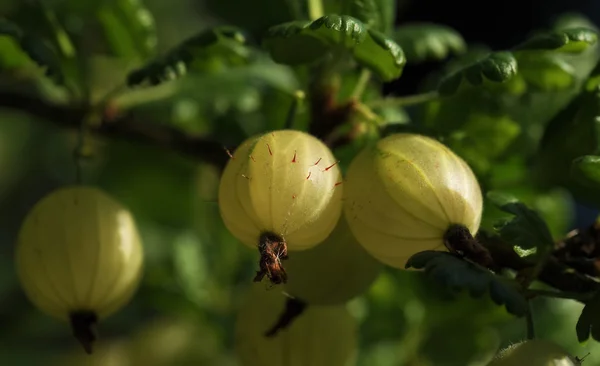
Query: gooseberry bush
240, 180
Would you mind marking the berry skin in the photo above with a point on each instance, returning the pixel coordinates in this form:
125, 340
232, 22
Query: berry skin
334, 271
537, 352
404, 193
79, 257
321, 336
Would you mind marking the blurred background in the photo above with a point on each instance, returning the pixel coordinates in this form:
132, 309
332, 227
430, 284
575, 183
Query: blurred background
184, 311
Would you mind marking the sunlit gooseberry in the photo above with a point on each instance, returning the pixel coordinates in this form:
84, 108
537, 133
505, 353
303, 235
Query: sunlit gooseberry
79, 257
405, 192
281, 191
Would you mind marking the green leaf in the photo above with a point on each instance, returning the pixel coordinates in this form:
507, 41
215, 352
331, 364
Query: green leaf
375, 14
555, 205
427, 41
457, 274
573, 20
535, 62
546, 71
257, 16
497, 67
303, 42
482, 138
36, 48
589, 321
527, 232
574, 132
215, 48
573, 40
191, 268
10, 29
11, 54
586, 169
129, 28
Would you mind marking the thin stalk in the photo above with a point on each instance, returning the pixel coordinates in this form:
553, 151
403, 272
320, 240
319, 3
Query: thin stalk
315, 9
529, 321
404, 101
361, 84
293, 111
365, 112
81, 151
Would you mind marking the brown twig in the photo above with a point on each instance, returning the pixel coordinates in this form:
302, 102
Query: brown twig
123, 126
553, 273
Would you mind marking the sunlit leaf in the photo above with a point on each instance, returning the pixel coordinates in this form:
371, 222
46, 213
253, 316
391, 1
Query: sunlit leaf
497, 67
546, 71
304, 42
572, 40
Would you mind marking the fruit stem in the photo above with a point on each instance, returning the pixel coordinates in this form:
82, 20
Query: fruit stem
83, 324
294, 307
298, 97
361, 84
459, 240
273, 250
529, 320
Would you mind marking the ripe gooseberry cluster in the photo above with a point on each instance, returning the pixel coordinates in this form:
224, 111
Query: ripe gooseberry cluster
403, 195
281, 193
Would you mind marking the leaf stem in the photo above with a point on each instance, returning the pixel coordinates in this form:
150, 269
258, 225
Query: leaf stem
293, 112
315, 9
404, 101
361, 84
529, 321
368, 114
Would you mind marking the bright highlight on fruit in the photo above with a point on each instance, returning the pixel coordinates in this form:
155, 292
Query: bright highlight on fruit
405, 192
334, 271
280, 191
321, 336
536, 352
79, 257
